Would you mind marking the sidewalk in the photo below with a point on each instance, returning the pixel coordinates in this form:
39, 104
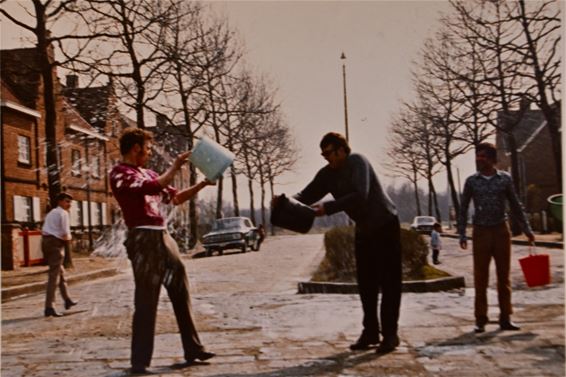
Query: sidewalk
28, 280
553, 240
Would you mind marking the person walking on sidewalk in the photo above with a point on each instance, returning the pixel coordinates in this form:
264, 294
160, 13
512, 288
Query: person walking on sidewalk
55, 235
351, 180
153, 253
490, 189
435, 242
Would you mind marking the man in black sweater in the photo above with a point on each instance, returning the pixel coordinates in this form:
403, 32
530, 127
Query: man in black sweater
351, 180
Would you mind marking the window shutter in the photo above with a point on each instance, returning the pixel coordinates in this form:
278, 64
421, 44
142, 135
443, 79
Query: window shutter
36, 210
104, 219
18, 210
94, 220
74, 213
85, 213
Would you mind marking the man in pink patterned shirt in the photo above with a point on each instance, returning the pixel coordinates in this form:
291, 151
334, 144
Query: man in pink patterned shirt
153, 253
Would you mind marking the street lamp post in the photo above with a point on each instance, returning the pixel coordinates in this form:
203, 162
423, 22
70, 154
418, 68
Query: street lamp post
343, 58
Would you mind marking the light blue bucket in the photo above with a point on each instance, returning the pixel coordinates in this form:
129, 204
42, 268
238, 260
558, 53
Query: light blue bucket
211, 158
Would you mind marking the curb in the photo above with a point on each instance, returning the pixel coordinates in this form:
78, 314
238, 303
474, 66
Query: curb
26, 289
417, 286
550, 244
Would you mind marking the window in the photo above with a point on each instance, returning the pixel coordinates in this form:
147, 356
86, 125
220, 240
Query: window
75, 162
24, 150
103, 214
95, 213
23, 208
95, 167
76, 213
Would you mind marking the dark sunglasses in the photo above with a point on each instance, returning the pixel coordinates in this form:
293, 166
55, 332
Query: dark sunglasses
327, 152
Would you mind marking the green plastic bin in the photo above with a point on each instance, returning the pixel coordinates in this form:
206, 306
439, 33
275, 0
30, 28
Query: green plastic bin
555, 206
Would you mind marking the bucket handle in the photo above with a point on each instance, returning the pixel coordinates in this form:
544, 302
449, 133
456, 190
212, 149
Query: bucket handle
532, 250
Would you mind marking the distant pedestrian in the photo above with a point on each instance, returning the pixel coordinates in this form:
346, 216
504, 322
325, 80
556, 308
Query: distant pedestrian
261, 235
490, 189
55, 236
152, 251
435, 242
351, 180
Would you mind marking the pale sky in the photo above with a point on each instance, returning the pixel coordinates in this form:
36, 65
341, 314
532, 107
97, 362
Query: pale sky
298, 45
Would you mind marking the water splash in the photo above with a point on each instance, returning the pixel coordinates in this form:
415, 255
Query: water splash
111, 243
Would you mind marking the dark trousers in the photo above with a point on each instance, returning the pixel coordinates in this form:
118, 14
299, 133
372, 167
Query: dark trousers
435, 253
155, 261
378, 263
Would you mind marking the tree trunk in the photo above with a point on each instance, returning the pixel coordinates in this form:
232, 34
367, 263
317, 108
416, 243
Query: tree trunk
430, 191
453, 192
515, 176
416, 188
252, 208
220, 184
235, 191
436, 207
417, 199
193, 213
271, 184
263, 212
556, 138
53, 173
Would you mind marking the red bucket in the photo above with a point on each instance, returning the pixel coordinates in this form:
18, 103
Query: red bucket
536, 268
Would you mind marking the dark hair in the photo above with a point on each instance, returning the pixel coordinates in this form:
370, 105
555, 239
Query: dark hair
336, 140
436, 225
489, 149
63, 196
132, 136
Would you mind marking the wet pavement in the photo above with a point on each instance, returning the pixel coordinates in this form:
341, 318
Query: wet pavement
248, 312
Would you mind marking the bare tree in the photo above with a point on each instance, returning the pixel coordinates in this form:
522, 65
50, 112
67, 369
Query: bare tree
220, 55
423, 136
441, 102
46, 14
404, 157
540, 23
486, 25
183, 79
128, 35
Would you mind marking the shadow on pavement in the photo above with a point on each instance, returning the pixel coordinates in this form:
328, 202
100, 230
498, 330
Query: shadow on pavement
25, 319
319, 367
6, 322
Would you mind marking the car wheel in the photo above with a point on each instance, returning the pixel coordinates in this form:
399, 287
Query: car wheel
244, 247
221, 252
208, 252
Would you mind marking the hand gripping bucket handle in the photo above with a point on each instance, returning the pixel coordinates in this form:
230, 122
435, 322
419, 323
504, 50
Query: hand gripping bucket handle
536, 268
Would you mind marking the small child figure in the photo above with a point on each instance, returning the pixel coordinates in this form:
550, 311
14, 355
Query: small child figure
435, 242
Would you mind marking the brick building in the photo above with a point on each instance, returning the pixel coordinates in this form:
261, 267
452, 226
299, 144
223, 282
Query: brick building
537, 173
86, 147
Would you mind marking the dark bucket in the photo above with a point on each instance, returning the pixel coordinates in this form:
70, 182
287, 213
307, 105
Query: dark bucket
291, 214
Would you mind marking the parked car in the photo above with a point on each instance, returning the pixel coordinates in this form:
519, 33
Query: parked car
231, 233
423, 224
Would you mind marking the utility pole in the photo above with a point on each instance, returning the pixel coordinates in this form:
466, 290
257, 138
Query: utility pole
343, 58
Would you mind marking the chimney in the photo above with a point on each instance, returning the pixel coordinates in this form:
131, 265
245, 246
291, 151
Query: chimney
525, 104
72, 81
160, 120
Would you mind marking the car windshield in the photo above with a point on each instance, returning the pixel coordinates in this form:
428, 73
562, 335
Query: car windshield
425, 220
225, 224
